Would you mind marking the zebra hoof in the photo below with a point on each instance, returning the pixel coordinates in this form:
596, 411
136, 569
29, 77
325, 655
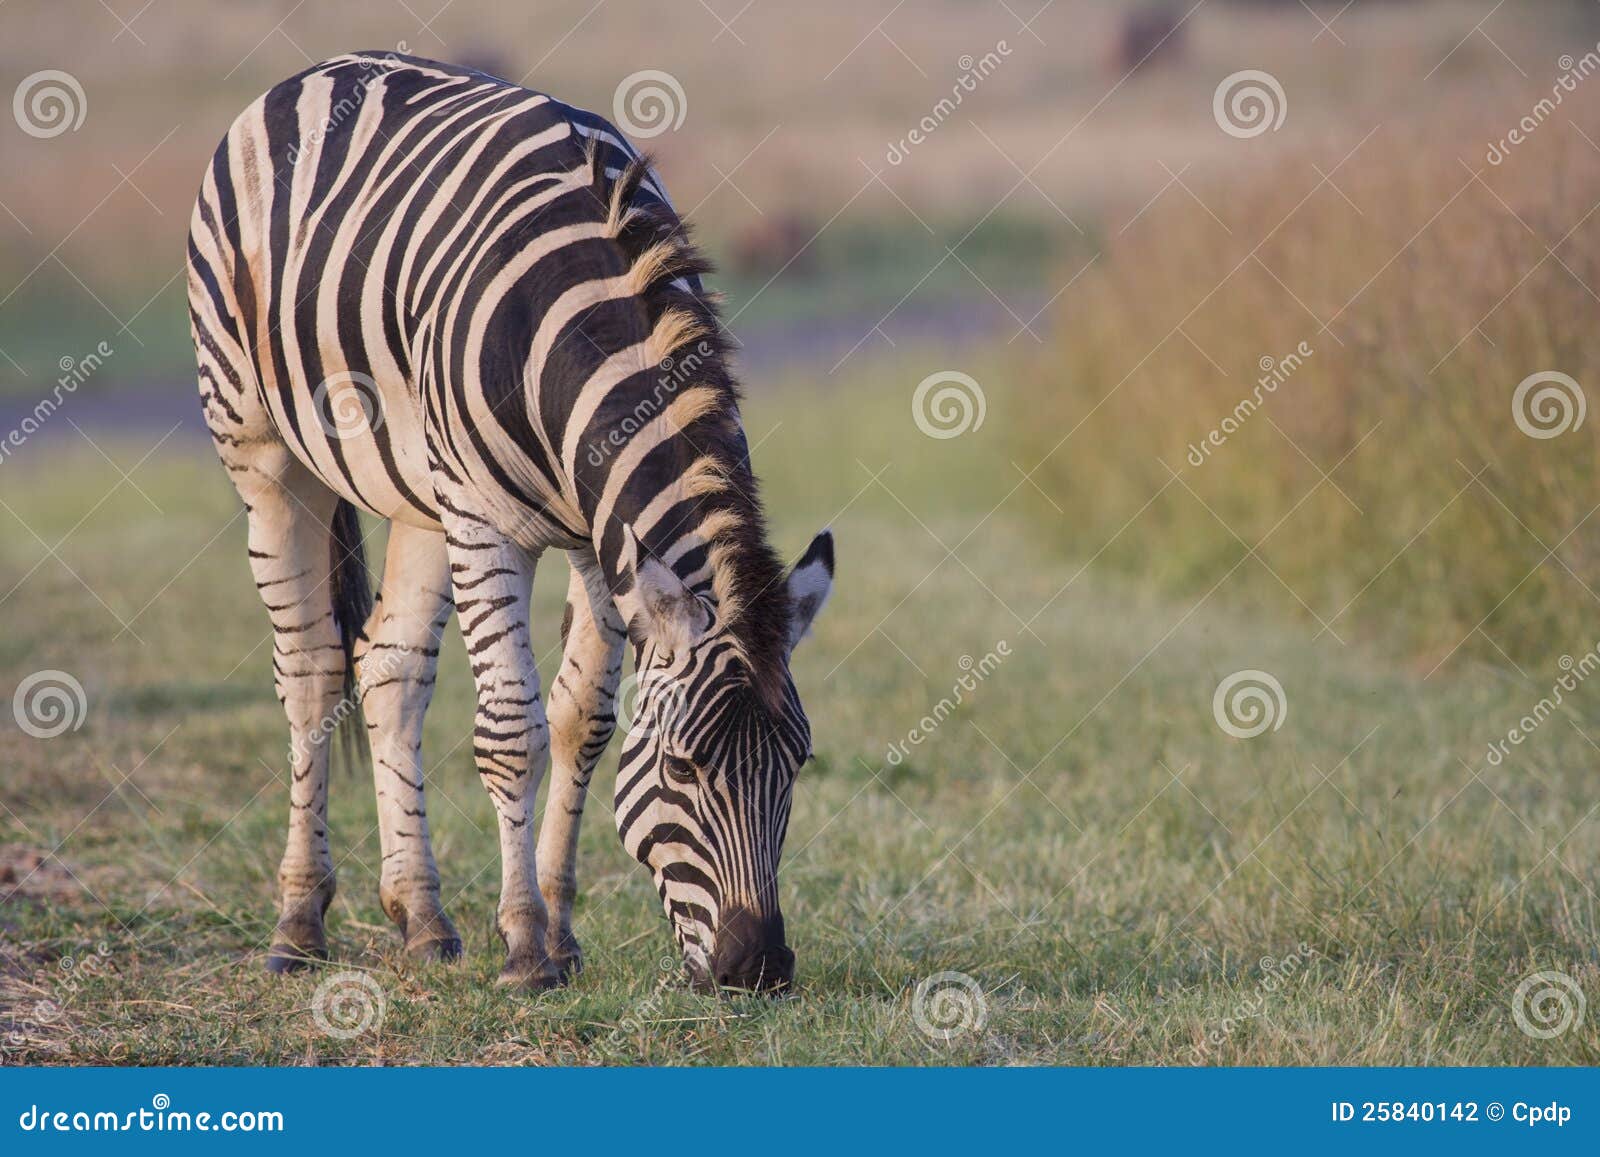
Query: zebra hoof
529, 976
434, 940
283, 959
445, 950
568, 966
567, 958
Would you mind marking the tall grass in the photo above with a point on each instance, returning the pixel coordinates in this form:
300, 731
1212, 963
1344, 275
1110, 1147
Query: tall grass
1426, 284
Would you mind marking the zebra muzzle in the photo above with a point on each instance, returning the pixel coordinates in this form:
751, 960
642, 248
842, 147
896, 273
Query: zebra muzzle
749, 952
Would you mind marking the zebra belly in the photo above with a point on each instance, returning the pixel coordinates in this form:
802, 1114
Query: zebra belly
368, 444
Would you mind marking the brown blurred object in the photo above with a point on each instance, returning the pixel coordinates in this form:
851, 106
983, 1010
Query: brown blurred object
775, 241
1153, 34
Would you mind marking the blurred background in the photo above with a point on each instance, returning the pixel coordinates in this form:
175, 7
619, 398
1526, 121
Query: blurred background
1162, 341
790, 140
1051, 183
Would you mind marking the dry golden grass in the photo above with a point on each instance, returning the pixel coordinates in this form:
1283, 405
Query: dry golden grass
1427, 285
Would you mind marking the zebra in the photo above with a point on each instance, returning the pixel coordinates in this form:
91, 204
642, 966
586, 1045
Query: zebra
471, 310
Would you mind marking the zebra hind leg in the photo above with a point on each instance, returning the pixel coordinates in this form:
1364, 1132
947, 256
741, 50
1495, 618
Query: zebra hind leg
396, 661
290, 515
582, 719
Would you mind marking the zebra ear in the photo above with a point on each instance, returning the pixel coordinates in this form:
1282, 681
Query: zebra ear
810, 583
671, 614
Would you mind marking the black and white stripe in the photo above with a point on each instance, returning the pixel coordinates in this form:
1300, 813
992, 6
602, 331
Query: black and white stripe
468, 308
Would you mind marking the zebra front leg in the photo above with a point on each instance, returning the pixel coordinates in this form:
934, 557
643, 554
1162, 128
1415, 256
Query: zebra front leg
582, 718
290, 513
396, 661
492, 578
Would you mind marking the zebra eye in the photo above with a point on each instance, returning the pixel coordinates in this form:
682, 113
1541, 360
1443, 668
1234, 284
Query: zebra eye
678, 769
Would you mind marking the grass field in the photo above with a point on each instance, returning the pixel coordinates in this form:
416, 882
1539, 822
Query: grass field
1121, 880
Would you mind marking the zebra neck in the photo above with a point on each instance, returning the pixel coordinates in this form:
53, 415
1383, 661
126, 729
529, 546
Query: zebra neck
679, 491
714, 545
704, 567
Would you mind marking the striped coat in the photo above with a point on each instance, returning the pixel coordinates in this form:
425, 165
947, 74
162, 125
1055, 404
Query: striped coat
467, 308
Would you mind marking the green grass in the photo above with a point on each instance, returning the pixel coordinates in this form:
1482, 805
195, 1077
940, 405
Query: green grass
1126, 883
863, 269
55, 323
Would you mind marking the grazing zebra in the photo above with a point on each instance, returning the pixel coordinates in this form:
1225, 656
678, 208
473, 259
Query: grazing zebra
469, 309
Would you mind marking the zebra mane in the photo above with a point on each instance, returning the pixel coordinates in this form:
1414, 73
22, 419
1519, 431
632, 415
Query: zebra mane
666, 267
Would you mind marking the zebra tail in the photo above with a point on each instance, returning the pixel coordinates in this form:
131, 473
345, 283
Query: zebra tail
352, 605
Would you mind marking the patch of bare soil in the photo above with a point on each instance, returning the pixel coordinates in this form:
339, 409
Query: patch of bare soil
28, 873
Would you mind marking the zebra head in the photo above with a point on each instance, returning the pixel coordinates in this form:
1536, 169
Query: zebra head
708, 771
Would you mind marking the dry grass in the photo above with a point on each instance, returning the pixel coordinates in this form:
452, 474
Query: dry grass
1427, 286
